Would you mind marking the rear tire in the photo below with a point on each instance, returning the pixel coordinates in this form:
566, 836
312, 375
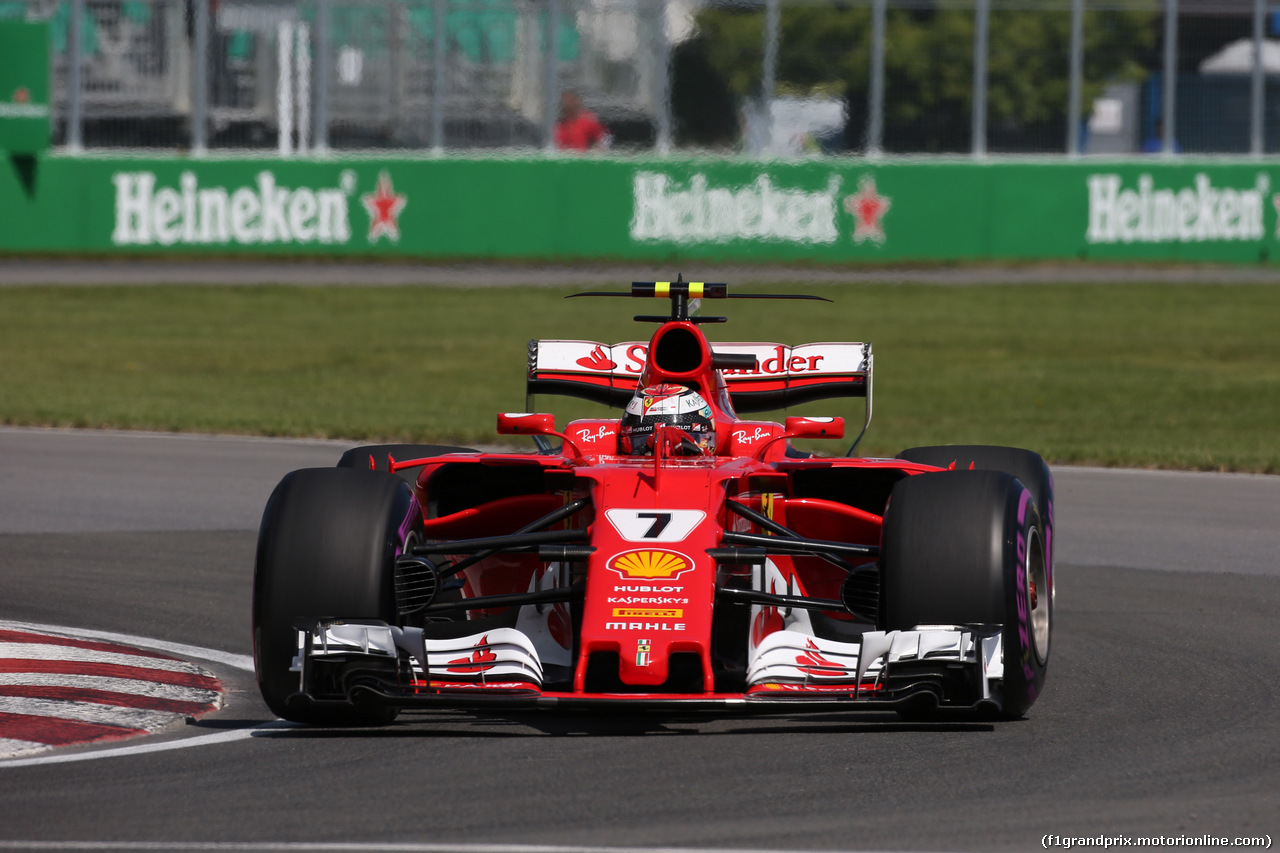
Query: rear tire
326, 548
358, 457
967, 547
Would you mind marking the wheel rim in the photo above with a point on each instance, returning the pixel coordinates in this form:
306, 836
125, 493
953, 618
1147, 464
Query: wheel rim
1039, 596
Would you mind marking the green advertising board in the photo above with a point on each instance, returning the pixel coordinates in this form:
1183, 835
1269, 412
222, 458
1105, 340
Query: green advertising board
24, 87
822, 211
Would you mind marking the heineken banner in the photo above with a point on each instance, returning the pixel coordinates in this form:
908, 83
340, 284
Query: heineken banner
821, 210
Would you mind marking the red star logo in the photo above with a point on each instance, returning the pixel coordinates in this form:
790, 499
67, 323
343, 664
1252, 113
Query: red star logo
21, 95
868, 207
384, 205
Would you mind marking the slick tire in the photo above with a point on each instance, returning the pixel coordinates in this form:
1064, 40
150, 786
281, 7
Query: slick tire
326, 548
967, 547
1026, 465
358, 457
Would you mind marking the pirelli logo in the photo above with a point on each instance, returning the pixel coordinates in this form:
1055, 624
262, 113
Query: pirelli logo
646, 613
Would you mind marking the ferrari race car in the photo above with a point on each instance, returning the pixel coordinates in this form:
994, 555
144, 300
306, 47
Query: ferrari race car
678, 556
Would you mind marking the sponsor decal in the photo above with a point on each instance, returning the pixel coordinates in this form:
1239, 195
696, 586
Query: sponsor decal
813, 663
646, 613
1195, 214
645, 599
597, 360
650, 564
645, 626
480, 660
646, 588
384, 206
866, 687
644, 648
868, 208
262, 213
701, 213
781, 360
587, 436
742, 436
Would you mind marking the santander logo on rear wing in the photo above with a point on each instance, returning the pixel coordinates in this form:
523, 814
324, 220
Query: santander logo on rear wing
783, 375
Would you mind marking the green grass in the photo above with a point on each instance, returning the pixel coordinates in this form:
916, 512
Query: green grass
1177, 376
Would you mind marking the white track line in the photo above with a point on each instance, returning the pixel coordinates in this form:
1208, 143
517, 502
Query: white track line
142, 749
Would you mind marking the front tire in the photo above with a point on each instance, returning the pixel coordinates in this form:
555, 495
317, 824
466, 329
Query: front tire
326, 548
968, 547
1026, 465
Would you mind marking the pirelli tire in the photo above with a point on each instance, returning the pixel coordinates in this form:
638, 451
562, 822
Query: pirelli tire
968, 548
358, 457
326, 548
1026, 465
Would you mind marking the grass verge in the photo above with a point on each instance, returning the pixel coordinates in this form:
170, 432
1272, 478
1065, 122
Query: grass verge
1163, 375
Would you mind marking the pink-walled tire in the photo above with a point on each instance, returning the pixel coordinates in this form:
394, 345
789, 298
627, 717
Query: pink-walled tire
967, 548
326, 548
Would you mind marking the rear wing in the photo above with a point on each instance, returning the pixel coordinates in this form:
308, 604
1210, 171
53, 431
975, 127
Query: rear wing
782, 375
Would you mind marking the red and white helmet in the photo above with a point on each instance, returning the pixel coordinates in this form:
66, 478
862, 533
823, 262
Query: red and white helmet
672, 405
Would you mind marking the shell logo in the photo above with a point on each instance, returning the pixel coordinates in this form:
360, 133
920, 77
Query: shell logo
650, 564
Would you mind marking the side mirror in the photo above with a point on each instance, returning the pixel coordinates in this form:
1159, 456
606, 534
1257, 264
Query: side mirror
525, 423
814, 428
805, 428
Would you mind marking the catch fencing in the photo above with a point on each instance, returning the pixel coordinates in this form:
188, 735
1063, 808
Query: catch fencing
764, 78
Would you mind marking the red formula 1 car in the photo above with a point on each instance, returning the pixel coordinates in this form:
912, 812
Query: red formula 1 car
676, 556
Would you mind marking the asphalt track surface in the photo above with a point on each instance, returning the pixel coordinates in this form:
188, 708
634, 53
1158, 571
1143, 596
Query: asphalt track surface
1159, 718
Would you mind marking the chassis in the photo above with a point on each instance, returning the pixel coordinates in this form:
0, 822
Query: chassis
750, 576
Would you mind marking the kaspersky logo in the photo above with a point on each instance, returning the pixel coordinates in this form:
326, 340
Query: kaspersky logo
262, 213
650, 564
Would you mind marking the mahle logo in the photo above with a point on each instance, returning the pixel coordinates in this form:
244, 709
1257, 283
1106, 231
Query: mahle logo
263, 213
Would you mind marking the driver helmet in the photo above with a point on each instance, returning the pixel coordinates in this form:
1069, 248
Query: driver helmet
675, 405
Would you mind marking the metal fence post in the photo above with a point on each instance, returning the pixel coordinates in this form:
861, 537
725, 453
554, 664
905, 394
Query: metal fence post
982, 18
1257, 93
663, 81
284, 88
875, 98
769, 73
1169, 112
200, 79
320, 115
438, 70
1076, 84
551, 81
75, 83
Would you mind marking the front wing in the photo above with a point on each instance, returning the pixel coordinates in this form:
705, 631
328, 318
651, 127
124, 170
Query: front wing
343, 661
